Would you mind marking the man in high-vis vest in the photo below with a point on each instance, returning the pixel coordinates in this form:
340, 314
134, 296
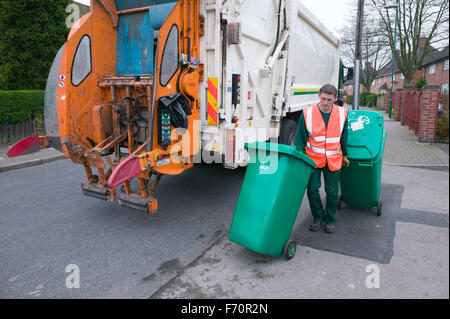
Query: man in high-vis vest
322, 134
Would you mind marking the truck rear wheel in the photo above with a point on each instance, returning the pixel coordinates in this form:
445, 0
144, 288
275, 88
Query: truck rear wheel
287, 132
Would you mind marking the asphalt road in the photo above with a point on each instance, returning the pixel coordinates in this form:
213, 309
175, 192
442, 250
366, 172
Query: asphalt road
46, 224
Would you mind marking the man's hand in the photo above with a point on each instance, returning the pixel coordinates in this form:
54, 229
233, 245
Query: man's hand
345, 162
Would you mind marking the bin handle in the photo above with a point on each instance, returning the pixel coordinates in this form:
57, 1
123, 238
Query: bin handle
366, 165
370, 152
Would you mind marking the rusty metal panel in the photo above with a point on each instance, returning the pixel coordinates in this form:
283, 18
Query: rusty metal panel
135, 44
135, 38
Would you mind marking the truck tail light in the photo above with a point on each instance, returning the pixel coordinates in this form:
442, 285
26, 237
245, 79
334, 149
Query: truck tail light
230, 151
234, 33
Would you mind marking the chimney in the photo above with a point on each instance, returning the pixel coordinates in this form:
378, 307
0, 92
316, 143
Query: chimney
422, 42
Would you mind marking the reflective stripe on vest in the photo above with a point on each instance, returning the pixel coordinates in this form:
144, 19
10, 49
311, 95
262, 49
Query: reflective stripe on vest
333, 140
309, 127
342, 118
329, 153
316, 149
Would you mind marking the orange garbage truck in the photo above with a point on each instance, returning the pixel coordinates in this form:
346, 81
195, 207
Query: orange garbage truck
147, 88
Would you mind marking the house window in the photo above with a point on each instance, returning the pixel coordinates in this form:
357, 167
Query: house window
350, 87
446, 65
444, 88
432, 69
379, 80
402, 77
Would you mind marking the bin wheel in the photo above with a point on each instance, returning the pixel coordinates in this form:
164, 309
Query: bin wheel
379, 208
289, 249
339, 205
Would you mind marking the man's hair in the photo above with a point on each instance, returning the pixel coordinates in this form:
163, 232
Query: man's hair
329, 89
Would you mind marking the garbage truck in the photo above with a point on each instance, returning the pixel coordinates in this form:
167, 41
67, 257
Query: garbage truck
148, 88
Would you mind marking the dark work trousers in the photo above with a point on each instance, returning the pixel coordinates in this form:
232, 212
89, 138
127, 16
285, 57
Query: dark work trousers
332, 190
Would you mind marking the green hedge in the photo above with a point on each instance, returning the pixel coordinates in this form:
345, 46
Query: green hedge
371, 100
19, 106
365, 99
350, 99
442, 129
31, 33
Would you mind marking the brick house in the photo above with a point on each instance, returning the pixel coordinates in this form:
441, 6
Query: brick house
434, 70
349, 87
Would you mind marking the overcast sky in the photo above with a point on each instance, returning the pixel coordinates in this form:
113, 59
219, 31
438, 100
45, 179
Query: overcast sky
330, 12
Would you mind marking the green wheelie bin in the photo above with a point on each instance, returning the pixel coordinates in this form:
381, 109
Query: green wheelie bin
270, 198
361, 181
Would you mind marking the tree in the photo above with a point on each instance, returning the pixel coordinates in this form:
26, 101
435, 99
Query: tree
416, 19
374, 47
31, 32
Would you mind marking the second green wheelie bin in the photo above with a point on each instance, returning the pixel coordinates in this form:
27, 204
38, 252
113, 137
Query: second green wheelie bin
270, 198
361, 181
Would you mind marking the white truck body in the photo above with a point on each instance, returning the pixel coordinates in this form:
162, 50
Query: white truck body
307, 56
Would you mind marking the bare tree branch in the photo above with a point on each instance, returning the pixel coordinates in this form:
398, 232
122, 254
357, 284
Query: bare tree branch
417, 19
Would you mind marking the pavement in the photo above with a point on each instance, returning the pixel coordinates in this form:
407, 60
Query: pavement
404, 149
402, 254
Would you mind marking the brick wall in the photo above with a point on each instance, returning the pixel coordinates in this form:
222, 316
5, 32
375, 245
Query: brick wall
397, 104
406, 90
428, 113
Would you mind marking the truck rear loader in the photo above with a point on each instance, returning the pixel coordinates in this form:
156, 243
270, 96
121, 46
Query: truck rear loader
148, 88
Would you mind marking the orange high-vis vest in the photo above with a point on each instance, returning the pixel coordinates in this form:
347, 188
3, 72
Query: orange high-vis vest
324, 142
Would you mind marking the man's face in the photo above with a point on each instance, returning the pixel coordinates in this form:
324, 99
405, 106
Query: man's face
326, 101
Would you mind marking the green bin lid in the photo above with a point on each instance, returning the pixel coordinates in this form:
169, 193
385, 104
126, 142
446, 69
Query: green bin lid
365, 135
283, 149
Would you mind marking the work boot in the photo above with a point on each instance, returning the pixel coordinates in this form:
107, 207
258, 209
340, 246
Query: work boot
315, 226
330, 228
